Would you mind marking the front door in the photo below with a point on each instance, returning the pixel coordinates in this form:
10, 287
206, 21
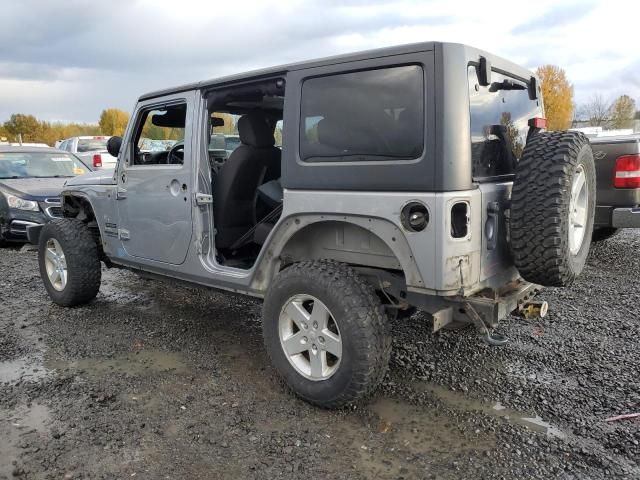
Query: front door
154, 182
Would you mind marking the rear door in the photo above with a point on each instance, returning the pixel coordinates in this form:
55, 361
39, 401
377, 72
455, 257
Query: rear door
499, 127
154, 186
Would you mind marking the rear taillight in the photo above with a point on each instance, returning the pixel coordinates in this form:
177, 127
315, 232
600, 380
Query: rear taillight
627, 172
538, 122
97, 160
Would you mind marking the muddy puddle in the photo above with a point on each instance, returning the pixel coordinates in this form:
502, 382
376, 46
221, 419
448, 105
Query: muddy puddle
21, 369
459, 401
117, 291
17, 426
400, 431
404, 430
137, 363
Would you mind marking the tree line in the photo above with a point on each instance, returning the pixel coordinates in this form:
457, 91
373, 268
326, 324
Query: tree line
30, 129
557, 92
562, 112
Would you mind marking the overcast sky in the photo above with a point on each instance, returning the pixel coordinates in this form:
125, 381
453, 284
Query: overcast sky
68, 59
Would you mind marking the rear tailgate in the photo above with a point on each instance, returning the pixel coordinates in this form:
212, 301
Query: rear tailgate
606, 151
496, 254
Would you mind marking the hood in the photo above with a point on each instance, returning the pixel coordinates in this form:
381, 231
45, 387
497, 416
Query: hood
97, 177
33, 188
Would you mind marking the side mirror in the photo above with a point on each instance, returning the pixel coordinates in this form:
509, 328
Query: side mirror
484, 72
533, 88
113, 146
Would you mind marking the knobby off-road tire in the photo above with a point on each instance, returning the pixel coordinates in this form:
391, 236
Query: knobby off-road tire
359, 319
541, 205
604, 233
81, 260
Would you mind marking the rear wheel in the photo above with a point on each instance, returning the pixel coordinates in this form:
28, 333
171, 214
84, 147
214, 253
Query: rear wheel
326, 332
69, 262
604, 233
552, 208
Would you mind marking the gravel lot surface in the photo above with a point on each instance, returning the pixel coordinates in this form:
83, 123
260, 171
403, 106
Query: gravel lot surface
156, 381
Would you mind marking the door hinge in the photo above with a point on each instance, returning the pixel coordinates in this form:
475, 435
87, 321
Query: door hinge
203, 199
123, 234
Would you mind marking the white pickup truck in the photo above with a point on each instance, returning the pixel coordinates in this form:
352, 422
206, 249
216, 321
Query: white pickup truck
91, 149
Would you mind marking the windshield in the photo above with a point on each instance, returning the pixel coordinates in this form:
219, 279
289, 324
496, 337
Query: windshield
92, 144
149, 145
40, 164
217, 142
232, 143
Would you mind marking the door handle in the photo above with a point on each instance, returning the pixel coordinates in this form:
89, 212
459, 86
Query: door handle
121, 193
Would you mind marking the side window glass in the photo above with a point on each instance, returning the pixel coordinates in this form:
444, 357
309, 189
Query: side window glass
371, 115
159, 137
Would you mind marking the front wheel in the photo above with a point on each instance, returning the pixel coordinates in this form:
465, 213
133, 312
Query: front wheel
69, 262
326, 332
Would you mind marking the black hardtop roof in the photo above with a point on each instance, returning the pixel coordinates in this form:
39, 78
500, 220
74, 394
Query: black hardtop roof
282, 69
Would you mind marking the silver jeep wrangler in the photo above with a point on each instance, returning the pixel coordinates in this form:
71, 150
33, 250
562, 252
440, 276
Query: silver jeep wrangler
413, 177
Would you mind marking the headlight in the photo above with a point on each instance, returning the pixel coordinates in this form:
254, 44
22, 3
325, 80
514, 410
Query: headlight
22, 204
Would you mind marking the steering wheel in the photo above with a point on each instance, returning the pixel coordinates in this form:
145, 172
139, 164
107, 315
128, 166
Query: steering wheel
176, 154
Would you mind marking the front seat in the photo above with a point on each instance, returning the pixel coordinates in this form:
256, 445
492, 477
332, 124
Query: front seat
250, 165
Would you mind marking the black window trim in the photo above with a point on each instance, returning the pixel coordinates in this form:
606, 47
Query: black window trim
386, 160
138, 129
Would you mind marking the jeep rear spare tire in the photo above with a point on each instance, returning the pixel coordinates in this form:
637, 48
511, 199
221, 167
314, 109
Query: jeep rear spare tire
552, 208
326, 332
69, 262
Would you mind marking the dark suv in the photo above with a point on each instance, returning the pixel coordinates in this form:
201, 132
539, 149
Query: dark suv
31, 179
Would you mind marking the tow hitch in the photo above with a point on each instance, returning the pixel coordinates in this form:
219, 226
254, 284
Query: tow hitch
487, 336
533, 309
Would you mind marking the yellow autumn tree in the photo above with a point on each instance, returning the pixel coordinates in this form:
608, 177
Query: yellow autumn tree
557, 94
113, 121
623, 111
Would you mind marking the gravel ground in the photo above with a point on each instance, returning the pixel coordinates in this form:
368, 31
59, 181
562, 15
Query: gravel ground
156, 381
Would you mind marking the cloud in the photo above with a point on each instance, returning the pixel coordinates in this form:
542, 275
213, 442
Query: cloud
69, 59
558, 16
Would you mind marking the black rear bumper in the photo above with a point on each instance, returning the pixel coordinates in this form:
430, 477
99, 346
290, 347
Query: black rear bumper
617, 217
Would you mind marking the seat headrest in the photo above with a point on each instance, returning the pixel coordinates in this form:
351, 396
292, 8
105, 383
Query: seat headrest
254, 130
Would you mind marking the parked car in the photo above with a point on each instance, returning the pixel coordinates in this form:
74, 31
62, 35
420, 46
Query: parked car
92, 150
618, 184
31, 179
417, 176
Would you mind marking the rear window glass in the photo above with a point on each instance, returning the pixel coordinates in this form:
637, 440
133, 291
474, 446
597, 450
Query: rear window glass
499, 123
363, 116
92, 144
